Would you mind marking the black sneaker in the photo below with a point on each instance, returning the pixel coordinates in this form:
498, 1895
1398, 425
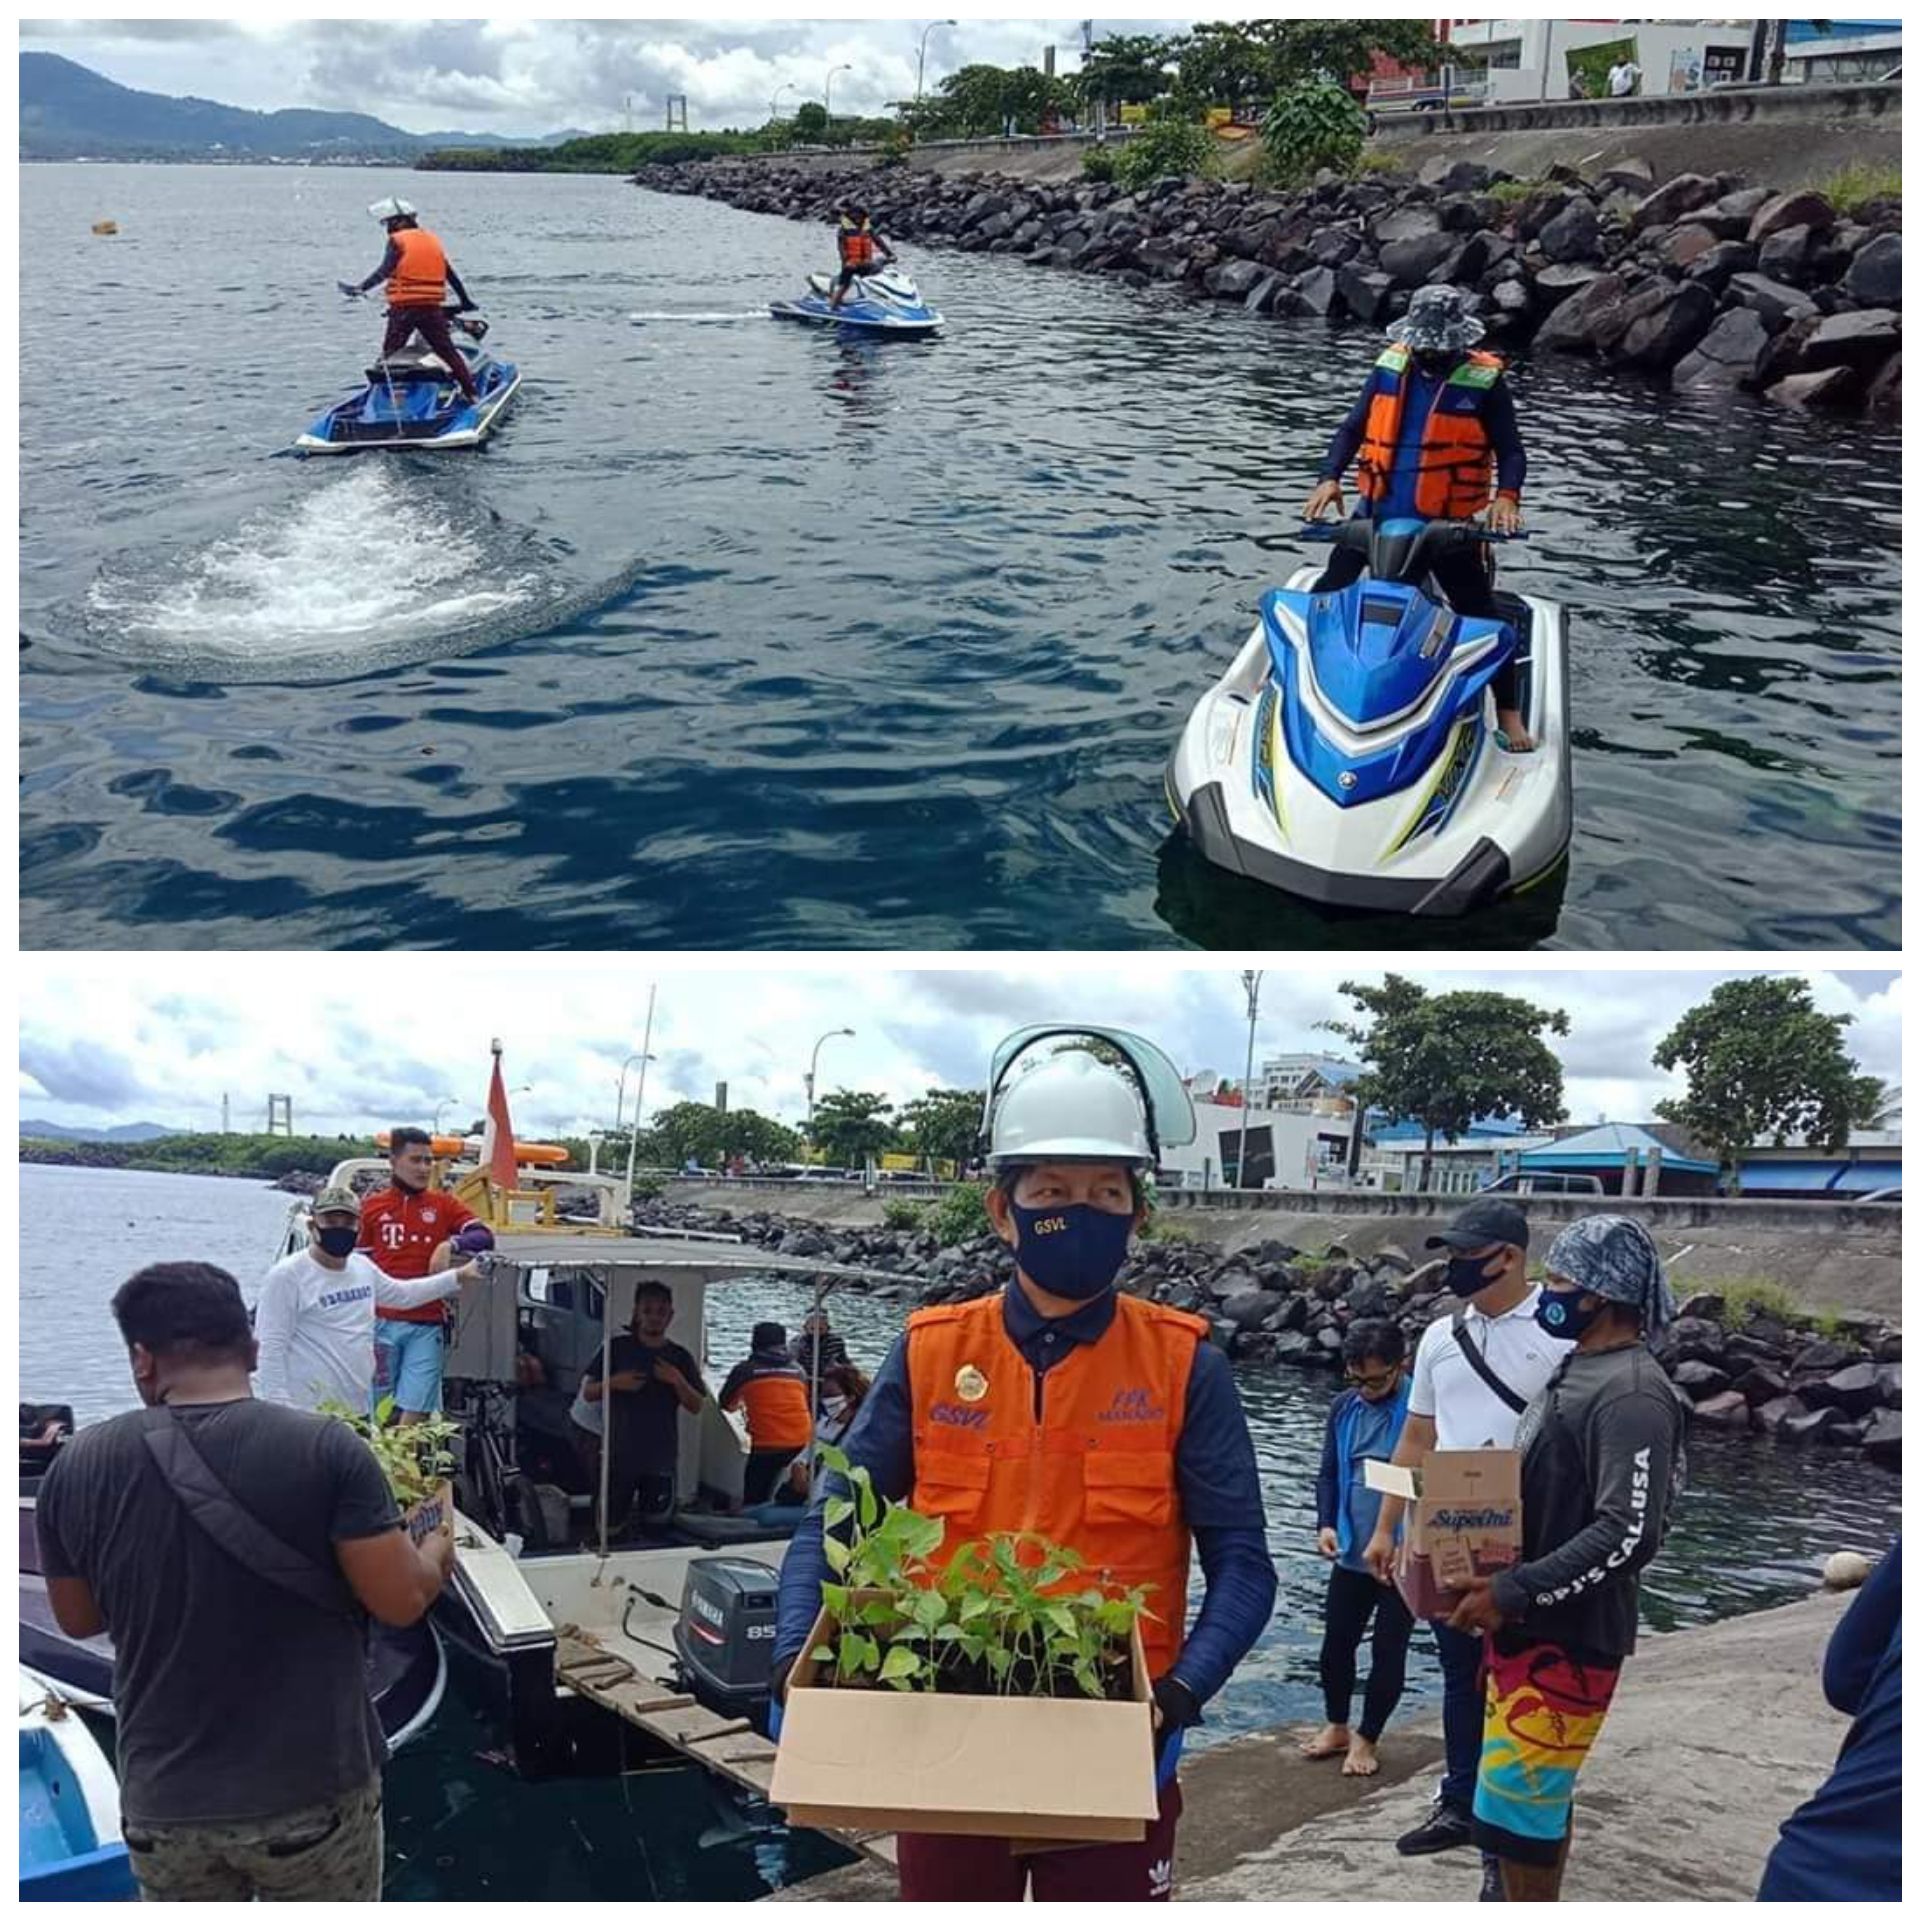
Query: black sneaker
1492, 1887
1444, 1827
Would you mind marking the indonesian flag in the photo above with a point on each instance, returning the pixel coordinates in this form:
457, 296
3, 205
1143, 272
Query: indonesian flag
496, 1145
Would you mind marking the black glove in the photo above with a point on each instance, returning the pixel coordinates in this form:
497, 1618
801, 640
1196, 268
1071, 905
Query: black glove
1178, 1708
778, 1678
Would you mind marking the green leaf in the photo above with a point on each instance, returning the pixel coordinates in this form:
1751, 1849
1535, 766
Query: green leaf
838, 1553
901, 1663
835, 1509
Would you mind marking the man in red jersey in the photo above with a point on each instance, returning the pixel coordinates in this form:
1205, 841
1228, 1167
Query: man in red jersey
409, 1230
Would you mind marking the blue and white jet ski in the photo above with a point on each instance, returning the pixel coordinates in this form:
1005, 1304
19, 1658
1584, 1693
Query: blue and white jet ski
411, 402
883, 302
1349, 754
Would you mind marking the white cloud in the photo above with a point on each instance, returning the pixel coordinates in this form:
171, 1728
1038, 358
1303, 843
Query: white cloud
532, 77
365, 1040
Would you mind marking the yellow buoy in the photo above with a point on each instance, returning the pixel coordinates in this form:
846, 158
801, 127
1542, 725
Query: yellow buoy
105, 226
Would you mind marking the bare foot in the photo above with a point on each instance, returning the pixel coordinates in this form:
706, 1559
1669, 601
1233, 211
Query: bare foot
1361, 1757
1326, 1743
1519, 740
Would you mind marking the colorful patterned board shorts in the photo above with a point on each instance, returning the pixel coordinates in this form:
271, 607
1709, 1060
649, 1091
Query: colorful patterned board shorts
1545, 1706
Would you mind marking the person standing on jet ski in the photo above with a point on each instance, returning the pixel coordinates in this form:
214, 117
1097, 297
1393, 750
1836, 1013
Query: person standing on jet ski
417, 273
859, 246
1431, 427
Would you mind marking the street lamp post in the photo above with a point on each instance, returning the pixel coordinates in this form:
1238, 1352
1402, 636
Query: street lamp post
813, 1067
620, 1102
773, 105
844, 67
920, 72
452, 1100
1251, 981
640, 1094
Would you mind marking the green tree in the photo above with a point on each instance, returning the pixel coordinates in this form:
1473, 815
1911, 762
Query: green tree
981, 99
692, 1130
1225, 61
848, 1126
944, 1123
810, 122
1762, 1062
1315, 124
1449, 1059
1125, 69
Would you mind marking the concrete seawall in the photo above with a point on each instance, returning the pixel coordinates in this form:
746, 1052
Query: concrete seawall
1830, 1258
1716, 1735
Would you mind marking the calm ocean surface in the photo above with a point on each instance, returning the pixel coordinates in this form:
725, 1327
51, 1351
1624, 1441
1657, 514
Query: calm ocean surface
745, 636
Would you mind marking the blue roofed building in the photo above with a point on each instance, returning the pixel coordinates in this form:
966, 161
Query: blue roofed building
1831, 52
1625, 1159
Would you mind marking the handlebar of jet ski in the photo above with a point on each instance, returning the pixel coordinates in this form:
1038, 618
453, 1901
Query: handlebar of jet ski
1331, 531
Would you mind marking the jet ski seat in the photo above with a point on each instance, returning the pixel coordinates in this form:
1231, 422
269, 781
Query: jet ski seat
410, 363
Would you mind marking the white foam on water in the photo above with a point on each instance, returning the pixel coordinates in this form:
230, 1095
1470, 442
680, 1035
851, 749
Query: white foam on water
748, 313
365, 562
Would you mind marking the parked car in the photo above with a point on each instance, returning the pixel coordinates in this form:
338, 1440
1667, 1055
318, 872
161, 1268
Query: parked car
1543, 1183
1880, 1197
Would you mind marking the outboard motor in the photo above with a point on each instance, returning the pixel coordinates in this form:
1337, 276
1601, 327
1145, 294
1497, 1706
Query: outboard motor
724, 1635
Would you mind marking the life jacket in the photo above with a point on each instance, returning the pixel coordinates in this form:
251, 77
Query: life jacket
856, 245
772, 1392
420, 280
1455, 479
1093, 1470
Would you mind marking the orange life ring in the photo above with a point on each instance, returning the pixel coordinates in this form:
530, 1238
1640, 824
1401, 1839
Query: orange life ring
529, 1153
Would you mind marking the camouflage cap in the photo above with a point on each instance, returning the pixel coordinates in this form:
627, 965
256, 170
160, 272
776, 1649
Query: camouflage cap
337, 1200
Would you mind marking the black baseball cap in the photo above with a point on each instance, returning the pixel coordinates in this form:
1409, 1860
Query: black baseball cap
1483, 1223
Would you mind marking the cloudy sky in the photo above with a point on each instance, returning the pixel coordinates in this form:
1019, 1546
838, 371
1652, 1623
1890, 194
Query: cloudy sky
533, 77
366, 1040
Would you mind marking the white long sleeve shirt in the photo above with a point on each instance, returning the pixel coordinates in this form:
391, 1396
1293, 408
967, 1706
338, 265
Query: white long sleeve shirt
315, 1327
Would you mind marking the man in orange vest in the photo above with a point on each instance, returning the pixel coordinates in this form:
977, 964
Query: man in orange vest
1059, 1405
417, 273
770, 1389
1431, 426
860, 247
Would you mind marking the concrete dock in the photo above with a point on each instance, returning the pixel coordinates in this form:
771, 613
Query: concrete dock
1716, 1735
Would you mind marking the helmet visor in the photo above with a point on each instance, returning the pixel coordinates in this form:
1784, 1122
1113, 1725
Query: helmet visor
1168, 1103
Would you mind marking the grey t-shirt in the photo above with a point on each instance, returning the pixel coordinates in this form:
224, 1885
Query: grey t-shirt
235, 1699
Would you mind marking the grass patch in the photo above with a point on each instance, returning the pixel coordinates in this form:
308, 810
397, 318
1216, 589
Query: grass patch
1373, 161
1164, 1232
1510, 193
1853, 186
1749, 1300
904, 1216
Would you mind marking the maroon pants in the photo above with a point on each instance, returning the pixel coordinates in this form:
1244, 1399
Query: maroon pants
946, 1866
430, 323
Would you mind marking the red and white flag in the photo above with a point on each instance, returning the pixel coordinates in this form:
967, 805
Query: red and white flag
496, 1146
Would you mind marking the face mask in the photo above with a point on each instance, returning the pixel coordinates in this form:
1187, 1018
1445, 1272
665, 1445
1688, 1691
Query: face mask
1075, 1251
1467, 1277
338, 1241
833, 1408
1566, 1316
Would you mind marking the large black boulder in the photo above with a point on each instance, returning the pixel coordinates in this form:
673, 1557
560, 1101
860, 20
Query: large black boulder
1860, 340
1729, 356
1854, 1390
1410, 263
1573, 233
1874, 277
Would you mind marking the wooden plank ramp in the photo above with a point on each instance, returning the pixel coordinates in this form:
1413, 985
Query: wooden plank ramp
730, 1748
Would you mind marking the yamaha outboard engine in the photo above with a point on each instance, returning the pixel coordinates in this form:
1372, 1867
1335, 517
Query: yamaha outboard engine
724, 1635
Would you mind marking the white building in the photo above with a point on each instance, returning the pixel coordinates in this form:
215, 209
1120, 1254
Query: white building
1291, 1148
1527, 59
1459, 1166
1303, 1076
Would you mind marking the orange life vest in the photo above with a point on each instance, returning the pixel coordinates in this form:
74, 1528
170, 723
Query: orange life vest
1455, 479
856, 245
777, 1410
1094, 1471
420, 280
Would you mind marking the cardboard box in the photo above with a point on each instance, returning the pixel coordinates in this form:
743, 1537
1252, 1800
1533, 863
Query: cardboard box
875, 1760
1463, 1521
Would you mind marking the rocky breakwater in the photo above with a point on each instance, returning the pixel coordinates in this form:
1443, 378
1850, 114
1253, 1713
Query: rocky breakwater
1273, 1305
1705, 280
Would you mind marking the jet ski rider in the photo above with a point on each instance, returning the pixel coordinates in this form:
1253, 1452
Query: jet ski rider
859, 245
417, 273
1431, 425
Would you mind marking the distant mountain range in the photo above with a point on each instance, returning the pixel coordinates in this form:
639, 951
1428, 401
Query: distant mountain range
69, 112
139, 1131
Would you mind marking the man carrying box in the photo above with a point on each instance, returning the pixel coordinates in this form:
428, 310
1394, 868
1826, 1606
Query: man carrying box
1060, 1406
1473, 1373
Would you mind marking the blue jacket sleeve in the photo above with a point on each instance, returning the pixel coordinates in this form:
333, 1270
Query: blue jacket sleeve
1861, 1638
1347, 436
1219, 1482
881, 1440
1503, 430
1326, 1485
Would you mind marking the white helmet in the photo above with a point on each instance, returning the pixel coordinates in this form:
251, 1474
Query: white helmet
393, 209
1069, 1107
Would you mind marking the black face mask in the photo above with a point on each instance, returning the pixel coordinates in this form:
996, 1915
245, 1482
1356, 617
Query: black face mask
1466, 1277
337, 1241
1566, 1316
